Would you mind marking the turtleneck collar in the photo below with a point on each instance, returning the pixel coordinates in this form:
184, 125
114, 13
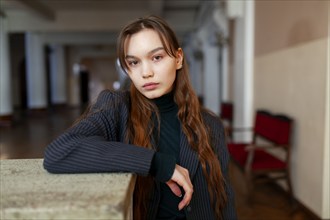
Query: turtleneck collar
166, 102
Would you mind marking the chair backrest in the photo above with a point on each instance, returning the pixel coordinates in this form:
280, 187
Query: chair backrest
227, 111
274, 128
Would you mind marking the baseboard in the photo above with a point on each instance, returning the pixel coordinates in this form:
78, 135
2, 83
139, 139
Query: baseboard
296, 202
300, 205
35, 112
6, 120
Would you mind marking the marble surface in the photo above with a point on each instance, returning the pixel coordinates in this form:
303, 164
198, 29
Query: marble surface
30, 192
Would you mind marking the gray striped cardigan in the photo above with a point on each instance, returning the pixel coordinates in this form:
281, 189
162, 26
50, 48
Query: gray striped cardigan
97, 144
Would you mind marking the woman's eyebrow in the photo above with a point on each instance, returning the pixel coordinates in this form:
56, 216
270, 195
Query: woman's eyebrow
155, 50
149, 53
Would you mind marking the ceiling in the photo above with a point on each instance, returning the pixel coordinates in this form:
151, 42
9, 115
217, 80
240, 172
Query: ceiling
57, 5
82, 15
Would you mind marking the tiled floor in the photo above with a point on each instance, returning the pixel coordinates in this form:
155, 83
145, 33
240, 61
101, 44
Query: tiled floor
30, 134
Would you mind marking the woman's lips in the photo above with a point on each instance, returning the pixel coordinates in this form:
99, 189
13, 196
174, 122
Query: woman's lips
150, 86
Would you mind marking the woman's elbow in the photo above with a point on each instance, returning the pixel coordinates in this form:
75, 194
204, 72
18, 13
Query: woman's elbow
51, 163
50, 166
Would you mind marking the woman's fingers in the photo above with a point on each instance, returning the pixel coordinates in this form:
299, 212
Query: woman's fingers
188, 188
185, 201
181, 178
174, 187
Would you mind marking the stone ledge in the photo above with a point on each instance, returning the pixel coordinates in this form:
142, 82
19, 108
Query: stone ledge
30, 192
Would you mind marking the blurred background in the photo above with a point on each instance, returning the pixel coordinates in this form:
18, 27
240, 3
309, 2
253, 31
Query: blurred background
57, 55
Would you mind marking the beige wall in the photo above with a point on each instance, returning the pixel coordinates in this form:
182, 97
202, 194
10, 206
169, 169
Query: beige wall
291, 60
282, 24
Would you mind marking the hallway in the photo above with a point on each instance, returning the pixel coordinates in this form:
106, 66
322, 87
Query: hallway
21, 141
31, 132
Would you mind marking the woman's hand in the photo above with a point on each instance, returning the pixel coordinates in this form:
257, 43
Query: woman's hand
181, 177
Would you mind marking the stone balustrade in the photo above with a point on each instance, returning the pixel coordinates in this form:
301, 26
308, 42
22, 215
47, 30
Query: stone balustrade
30, 192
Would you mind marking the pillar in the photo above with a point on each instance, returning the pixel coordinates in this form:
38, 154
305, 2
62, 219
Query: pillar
58, 85
243, 73
221, 22
194, 58
198, 73
225, 73
35, 72
6, 105
212, 98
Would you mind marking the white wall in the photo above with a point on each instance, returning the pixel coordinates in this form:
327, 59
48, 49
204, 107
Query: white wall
292, 77
5, 77
294, 81
326, 157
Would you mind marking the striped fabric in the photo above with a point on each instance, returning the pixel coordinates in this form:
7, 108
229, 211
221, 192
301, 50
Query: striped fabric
96, 144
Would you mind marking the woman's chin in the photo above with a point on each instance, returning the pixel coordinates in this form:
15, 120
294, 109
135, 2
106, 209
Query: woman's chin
152, 95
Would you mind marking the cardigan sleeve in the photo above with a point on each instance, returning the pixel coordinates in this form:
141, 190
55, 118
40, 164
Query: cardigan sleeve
162, 166
95, 143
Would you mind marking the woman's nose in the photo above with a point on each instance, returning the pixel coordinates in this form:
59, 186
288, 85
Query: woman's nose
147, 71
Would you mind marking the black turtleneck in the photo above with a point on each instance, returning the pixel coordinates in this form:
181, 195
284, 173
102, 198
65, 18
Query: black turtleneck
167, 155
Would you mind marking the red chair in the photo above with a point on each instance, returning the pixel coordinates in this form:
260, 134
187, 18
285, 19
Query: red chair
256, 160
226, 115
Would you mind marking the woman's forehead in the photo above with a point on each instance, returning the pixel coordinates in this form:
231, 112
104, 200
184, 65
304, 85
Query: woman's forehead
143, 41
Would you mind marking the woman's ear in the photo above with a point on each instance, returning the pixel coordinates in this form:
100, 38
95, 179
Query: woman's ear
179, 59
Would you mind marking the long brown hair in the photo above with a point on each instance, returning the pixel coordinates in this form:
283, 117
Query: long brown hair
189, 114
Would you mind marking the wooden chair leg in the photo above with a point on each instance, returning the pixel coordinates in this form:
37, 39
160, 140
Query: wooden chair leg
290, 190
293, 202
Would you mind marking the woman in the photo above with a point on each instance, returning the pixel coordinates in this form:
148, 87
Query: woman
157, 130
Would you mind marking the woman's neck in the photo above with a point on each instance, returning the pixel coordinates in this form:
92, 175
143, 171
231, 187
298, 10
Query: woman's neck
166, 102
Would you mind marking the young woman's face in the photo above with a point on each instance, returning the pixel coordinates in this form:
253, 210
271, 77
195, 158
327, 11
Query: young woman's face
150, 68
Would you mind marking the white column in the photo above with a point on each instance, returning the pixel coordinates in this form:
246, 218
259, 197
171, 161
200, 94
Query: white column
326, 157
221, 21
211, 77
198, 74
195, 68
225, 73
73, 78
6, 106
243, 72
36, 72
57, 75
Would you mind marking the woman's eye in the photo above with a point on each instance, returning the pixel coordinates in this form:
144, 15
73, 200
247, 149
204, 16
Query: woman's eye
157, 58
132, 63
